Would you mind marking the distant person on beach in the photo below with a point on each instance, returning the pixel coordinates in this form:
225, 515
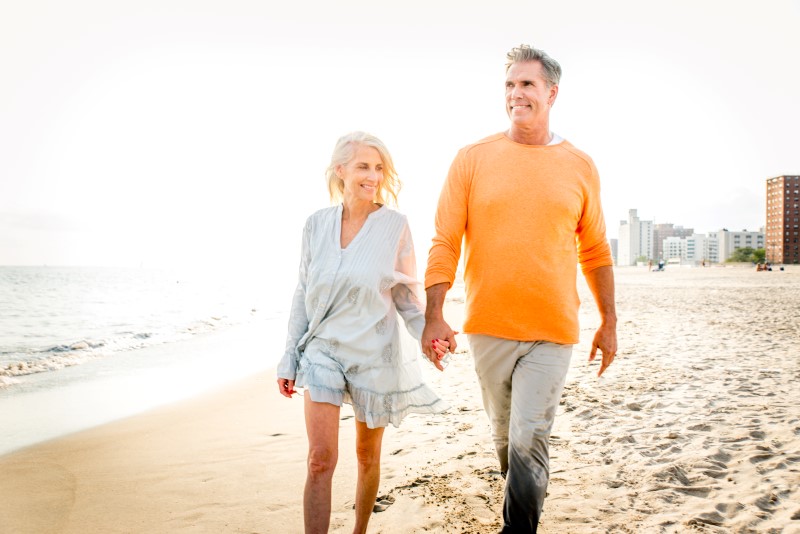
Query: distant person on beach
527, 203
357, 273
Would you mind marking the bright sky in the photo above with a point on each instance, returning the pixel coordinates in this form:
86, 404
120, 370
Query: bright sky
162, 132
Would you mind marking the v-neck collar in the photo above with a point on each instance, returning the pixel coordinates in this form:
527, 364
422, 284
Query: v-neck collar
363, 230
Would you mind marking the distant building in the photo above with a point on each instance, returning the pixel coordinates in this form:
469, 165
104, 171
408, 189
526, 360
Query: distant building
729, 241
673, 248
700, 249
635, 240
613, 243
783, 219
663, 231
696, 249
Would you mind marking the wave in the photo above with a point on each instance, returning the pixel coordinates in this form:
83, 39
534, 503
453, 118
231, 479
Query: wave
52, 358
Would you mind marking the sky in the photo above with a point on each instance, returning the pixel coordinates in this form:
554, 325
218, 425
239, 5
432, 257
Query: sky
197, 132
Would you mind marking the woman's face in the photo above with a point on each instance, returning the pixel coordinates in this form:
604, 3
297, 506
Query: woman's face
362, 175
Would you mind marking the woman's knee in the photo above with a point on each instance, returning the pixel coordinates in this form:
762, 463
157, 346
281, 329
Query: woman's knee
369, 455
321, 461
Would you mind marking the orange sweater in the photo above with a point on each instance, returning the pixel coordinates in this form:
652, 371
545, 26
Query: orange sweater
529, 214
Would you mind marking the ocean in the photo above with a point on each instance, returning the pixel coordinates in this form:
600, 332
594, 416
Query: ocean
80, 346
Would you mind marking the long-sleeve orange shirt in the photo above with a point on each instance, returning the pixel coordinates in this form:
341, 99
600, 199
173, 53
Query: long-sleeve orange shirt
528, 215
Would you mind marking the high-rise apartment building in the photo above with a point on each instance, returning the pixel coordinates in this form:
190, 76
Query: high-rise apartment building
635, 240
783, 220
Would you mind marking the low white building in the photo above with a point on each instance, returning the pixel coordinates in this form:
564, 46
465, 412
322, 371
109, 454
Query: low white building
696, 249
729, 241
673, 248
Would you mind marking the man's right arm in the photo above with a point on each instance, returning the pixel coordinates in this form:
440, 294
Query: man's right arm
435, 325
450, 222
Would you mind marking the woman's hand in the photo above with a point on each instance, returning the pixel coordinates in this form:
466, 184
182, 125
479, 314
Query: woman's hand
286, 387
440, 346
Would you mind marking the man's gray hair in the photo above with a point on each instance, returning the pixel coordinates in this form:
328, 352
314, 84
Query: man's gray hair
523, 53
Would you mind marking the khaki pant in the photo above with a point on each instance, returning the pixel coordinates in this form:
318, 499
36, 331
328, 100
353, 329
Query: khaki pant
521, 384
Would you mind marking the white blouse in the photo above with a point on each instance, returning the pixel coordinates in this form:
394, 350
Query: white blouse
347, 302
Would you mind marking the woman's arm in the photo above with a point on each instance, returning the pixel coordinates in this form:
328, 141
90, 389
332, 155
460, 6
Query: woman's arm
298, 319
406, 294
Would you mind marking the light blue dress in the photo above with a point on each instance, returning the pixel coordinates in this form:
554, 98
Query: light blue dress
343, 343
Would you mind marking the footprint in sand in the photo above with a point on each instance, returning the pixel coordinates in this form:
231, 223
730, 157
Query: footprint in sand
730, 509
383, 502
424, 479
489, 474
722, 457
708, 518
419, 481
734, 439
767, 503
713, 473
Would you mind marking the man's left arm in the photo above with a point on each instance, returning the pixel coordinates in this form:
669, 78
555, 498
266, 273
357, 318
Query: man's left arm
601, 283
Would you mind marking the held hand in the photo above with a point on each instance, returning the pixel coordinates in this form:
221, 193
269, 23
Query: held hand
286, 387
605, 339
438, 334
440, 346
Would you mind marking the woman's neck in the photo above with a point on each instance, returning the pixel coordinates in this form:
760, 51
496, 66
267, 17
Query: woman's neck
357, 209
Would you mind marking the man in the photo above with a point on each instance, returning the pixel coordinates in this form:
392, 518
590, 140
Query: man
527, 203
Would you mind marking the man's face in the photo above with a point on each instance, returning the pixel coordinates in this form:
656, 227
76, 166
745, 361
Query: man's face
528, 98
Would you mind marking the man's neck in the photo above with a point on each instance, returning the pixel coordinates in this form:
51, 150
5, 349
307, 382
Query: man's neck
530, 136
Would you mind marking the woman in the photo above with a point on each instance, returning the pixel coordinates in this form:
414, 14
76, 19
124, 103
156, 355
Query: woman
357, 272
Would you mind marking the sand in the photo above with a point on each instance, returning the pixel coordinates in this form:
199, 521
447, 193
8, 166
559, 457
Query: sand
695, 427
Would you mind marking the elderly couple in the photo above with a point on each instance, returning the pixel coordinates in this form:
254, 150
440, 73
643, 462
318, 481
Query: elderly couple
528, 204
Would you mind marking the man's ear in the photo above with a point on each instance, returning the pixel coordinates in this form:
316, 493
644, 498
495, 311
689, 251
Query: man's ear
553, 94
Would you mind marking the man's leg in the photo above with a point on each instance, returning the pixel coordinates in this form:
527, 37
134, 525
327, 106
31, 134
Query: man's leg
495, 359
537, 382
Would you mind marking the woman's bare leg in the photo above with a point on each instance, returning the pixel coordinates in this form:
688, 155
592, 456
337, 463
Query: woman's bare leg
322, 427
368, 451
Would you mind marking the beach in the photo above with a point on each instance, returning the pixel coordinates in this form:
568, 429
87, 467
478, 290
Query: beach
695, 427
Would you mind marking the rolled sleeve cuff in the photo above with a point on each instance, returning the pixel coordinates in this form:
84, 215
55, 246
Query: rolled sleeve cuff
433, 278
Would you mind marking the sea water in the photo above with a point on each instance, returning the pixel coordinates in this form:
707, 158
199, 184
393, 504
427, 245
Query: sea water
80, 346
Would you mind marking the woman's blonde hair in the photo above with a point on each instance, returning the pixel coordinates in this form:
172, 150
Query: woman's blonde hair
343, 153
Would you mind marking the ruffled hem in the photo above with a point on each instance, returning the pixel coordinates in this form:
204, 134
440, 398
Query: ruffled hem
376, 409
379, 410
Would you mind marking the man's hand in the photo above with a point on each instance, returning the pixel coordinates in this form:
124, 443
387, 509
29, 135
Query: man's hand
601, 283
435, 326
437, 330
605, 339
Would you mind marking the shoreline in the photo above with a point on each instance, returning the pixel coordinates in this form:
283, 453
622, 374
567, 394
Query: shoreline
694, 427
105, 390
